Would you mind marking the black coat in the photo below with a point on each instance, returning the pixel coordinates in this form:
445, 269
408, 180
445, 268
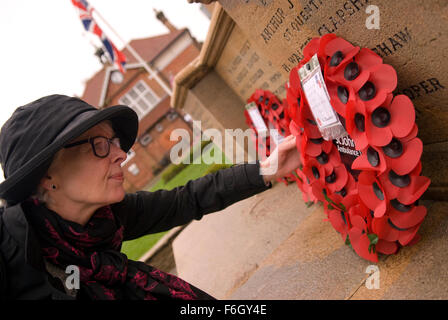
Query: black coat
23, 274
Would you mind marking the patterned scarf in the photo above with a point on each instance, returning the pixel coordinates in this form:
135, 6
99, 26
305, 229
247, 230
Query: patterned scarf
105, 272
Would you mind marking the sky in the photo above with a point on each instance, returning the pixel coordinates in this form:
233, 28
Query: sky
45, 50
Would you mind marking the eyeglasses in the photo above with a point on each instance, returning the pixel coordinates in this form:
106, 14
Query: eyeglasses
100, 145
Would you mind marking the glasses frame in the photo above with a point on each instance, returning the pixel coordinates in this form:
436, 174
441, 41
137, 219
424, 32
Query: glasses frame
91, 141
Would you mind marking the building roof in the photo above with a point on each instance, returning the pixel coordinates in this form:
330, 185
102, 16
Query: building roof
148, 48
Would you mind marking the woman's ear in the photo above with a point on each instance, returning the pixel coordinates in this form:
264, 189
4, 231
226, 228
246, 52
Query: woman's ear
46, 182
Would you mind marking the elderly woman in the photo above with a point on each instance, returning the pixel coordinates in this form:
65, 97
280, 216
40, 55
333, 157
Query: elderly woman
66, 205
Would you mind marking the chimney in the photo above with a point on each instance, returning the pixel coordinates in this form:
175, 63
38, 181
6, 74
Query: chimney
161, 16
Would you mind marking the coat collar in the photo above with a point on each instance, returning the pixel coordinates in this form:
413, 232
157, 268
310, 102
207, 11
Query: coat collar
17, 225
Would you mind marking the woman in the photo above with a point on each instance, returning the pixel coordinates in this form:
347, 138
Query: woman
66, 206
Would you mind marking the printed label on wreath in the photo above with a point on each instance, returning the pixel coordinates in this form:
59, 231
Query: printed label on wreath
346, 148
273, 133
316, 93
256, 118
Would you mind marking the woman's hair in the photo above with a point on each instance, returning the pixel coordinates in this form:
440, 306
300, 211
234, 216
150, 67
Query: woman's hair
40, 194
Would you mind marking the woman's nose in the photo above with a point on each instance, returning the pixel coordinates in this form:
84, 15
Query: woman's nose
117, 154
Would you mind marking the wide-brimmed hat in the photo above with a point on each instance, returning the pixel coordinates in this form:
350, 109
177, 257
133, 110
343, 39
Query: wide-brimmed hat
35, 132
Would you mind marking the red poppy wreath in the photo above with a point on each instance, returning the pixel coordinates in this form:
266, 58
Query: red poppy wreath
370, 180
275, 116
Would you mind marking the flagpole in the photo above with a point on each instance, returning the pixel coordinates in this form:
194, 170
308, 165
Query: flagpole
137, 56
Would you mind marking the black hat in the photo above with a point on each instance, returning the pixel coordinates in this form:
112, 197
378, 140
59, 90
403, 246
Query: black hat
35, 132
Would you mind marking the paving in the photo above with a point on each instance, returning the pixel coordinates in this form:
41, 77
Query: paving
272, 246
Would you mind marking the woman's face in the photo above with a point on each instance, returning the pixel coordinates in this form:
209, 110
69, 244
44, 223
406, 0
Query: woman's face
84, 178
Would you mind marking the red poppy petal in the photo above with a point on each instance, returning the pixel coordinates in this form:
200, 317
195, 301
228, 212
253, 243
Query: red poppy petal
341, 177
391, 190
336, 103
402, 114
294, 128
338, 44
382, 228
412, 134
311, 48
358, 222
386, 247
324, 40
294, 79
379, 99
356, 84
367, 58
409, 159
362, 162
368, 196
408, 219
408, 235
361, 243
377, 136
312, 149
360, 139
414, 191
336, 220
384, 77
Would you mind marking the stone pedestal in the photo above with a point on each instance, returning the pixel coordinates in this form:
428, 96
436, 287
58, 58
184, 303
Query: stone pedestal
254, 44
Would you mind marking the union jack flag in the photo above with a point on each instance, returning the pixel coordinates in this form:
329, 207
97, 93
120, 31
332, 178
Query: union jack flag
85, 14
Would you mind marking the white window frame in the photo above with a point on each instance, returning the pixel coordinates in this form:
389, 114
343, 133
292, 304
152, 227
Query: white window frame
145, 139
140, 95
129, 155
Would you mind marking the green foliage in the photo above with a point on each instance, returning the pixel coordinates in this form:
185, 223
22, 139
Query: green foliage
373, 238
174, 169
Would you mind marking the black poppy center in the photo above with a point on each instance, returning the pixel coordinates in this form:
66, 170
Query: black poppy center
373, 157
322, 158
343, 94
360, 122
336, 59
380, 117
315, 172
394, 149
399, 181
351, 71
317, 141
331, 178
397, 205
342, 192
367, 92
377, 191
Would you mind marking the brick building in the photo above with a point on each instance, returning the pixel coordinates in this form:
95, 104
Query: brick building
166, 54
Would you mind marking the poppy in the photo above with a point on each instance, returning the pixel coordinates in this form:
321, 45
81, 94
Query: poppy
372, 193
394, 118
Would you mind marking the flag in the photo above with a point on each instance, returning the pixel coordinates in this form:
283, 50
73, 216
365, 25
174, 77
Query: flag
85, 14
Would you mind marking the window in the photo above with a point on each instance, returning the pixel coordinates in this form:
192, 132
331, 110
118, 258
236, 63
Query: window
130, 155
140, 98
159, 127
133, 169
171, 116
145, 140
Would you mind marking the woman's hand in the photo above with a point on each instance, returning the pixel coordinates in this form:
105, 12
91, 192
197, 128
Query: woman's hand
283, 160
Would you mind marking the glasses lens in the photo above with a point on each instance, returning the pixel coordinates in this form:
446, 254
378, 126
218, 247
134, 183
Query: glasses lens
116, 142
101, 146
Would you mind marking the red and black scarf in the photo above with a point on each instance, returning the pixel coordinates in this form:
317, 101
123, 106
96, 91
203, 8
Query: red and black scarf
105, 272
